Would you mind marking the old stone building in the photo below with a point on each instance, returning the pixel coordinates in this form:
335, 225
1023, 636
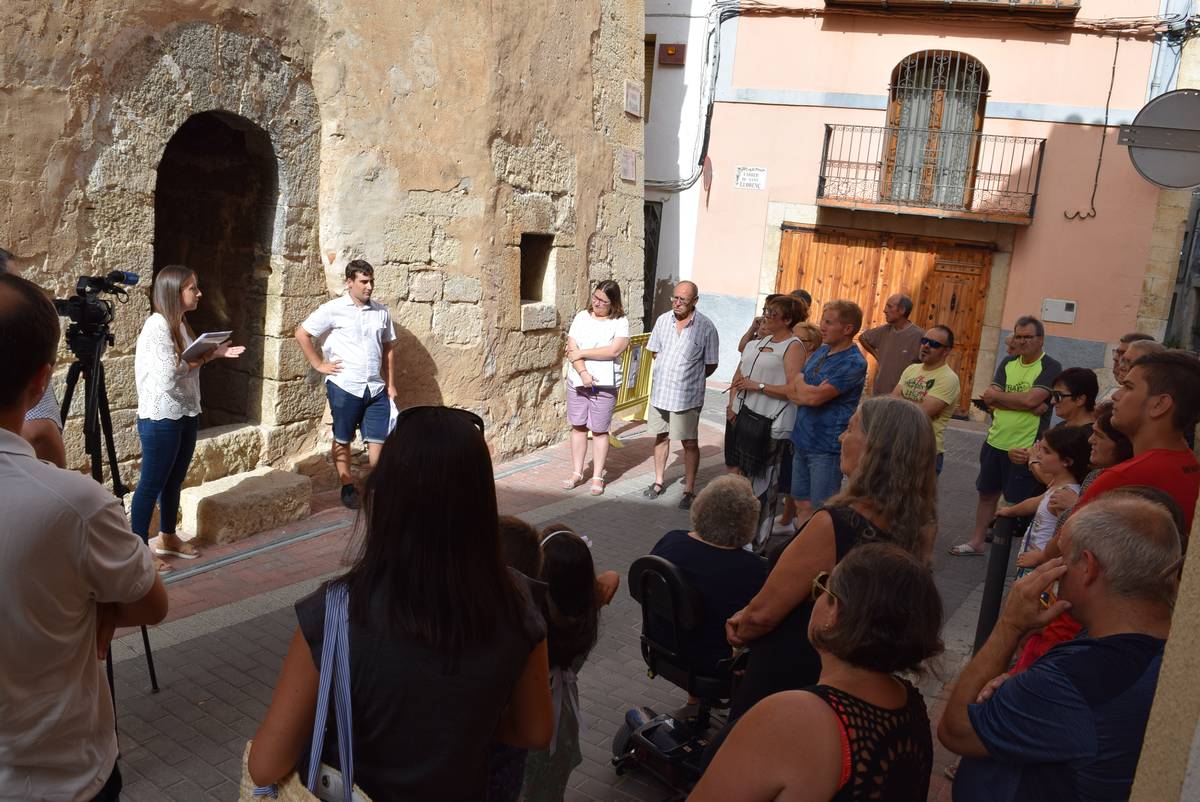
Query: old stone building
472, 152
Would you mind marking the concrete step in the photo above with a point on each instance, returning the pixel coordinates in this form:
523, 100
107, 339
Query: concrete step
229, 509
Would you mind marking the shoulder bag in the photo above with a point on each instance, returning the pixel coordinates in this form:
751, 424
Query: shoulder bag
752, 443
324, 783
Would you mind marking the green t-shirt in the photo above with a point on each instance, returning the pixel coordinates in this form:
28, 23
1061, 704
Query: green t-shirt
918, 381
1017, 428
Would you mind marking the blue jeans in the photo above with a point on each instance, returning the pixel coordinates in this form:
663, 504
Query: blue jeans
167, 447
815, 476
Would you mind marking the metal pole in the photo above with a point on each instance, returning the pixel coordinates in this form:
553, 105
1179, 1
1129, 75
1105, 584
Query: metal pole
1004, 530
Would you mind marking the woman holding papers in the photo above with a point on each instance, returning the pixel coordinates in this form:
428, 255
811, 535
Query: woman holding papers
168, 387
595, 342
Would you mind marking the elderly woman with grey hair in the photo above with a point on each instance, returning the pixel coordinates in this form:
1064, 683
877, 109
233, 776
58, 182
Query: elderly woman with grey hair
712, 557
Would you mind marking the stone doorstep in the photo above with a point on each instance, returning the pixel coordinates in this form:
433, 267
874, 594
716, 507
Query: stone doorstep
229, 509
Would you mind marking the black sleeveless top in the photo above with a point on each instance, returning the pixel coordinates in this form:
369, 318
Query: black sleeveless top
887, 755
783, 659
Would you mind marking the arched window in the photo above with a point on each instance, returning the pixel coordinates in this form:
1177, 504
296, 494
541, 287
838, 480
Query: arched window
935, 113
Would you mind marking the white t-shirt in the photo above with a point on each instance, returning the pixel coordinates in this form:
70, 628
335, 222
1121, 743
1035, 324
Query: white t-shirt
357, 335
1041, 529
65, 545
589, 331
167, 387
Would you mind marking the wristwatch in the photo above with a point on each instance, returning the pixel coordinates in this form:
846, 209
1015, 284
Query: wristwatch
761, 387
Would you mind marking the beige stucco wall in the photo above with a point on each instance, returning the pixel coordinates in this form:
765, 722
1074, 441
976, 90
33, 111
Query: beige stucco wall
424, 137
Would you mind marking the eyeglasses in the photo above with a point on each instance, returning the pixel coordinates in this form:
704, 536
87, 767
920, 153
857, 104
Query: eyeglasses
1059, 395
820, 584
679, 299
1024, 338
601, 301
932, 343
771, 313
475, 420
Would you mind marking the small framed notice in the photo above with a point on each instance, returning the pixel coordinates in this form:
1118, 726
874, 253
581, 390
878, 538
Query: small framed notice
633, 98
627, 164
750, 178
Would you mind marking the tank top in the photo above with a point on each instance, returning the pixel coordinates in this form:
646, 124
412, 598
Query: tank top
887, 755
762, 361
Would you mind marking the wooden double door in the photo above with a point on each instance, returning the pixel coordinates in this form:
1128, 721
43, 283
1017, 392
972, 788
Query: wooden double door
947, 280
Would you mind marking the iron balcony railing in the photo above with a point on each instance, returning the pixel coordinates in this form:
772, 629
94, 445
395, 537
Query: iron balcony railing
926, 171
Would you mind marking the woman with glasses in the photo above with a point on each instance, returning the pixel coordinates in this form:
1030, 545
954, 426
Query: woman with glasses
447, 652
860, 732
888, 454
597, 338
1074, 396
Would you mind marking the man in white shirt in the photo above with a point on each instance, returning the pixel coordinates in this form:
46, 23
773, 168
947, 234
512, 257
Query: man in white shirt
70, 572
357, 367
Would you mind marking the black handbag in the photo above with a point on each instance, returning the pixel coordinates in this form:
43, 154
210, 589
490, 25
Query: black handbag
752, 443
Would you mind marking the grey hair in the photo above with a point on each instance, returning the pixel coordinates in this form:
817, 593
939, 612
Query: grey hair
725, 513
1134, 540
1143, 347
905, 303
167, 298
1030, 320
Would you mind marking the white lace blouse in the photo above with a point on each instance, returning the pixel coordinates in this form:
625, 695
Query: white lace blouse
167, 387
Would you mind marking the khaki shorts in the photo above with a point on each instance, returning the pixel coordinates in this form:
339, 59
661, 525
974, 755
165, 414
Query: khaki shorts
676, 425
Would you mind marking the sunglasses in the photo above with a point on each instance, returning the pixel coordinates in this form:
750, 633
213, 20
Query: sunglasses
820, 584
932, 343
475, 420
1059, 395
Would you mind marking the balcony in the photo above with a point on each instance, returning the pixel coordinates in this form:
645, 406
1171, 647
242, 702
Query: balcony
918, 171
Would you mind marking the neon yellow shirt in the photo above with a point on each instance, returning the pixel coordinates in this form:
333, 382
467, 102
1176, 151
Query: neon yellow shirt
1017, 428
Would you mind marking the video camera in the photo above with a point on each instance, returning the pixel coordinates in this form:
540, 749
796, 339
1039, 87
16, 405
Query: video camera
86, 308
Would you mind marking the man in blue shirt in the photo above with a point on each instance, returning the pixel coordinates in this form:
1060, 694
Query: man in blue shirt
1071, 726
827, 392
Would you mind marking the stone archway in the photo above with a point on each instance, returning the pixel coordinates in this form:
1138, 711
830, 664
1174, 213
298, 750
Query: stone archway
214, 212
244, 83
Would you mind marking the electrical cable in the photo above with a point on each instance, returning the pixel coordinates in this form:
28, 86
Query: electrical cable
1091, 212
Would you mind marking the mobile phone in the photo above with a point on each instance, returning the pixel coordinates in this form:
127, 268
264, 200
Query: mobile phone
979, 404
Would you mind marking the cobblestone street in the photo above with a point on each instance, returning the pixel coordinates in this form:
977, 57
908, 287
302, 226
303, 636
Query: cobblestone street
218, 654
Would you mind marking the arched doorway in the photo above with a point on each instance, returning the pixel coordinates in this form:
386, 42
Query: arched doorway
214, 210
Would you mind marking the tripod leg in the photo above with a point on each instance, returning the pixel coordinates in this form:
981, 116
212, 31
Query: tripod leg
150, 661
72, 380
91, 427
119, 488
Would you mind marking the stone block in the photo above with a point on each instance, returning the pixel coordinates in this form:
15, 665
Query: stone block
291, 402
425, 286
391, 284
222, 451
444, 249
458, 324
233, 508
284, 314
282, 359
535, 316
416, 318
453, 204
297, 279
408, 240
280, 442
462, 289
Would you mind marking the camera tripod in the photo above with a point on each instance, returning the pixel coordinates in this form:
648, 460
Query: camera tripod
87, 343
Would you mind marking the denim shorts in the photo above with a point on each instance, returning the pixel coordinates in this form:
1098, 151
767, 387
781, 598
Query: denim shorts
815, 476
370, 414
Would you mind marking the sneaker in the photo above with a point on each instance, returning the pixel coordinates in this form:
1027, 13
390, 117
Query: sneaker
350, 497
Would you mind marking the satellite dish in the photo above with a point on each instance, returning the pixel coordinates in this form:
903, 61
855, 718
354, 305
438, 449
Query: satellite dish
1164, 140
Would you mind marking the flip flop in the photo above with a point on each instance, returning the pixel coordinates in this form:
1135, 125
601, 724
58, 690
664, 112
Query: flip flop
964, 550
653, 491
165, 552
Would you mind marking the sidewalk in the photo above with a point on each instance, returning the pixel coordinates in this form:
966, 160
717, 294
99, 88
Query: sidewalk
231, 620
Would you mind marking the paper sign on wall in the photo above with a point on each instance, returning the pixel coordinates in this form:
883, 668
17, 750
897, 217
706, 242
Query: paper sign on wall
633, 98
627, 164
749, 177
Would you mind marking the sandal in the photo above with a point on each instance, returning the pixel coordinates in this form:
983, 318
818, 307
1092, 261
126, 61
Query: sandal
653, 491
575, 481
598, 486
964, 550
162, 566
185, 551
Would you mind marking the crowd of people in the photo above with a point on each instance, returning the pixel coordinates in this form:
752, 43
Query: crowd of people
475, 626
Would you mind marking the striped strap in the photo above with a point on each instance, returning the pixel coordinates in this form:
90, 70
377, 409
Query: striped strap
335, 677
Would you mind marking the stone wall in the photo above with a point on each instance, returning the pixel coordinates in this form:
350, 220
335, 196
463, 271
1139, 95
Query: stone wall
424, 137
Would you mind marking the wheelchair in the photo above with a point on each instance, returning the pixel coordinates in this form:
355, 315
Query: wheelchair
664, 745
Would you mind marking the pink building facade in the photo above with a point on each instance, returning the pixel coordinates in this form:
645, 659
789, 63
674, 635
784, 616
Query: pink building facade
949, 151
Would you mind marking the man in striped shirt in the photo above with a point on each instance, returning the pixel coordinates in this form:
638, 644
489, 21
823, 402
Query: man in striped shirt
685, 346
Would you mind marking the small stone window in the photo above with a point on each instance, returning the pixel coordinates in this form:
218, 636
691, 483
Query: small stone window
535, 263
